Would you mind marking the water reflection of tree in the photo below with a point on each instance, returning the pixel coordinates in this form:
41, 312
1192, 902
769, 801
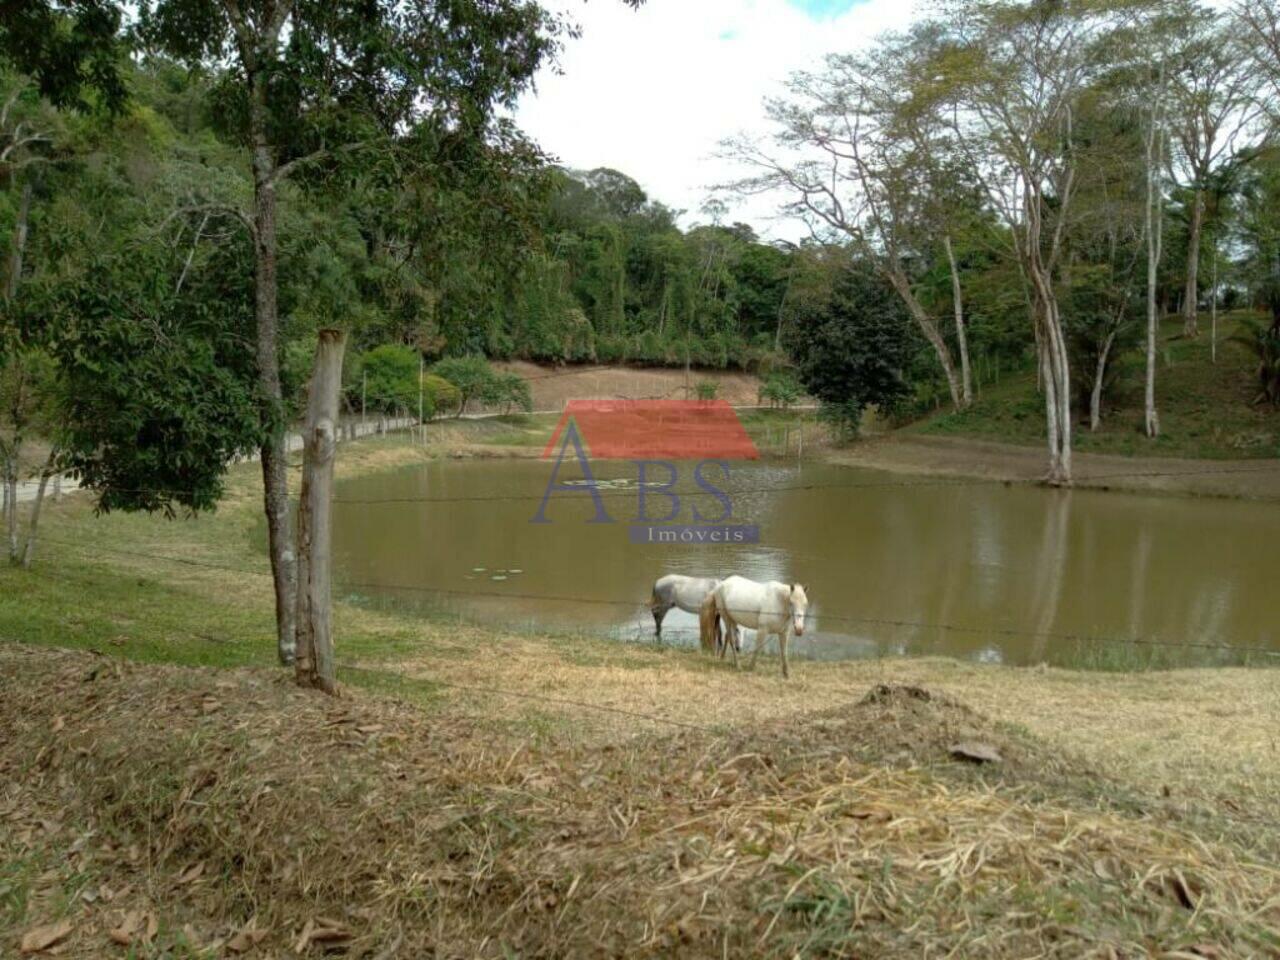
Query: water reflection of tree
1051, 569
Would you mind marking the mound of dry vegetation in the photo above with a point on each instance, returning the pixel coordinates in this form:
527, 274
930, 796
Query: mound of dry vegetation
165, 811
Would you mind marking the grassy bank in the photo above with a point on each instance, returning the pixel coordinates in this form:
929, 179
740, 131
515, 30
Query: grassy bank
486, 793
1206, 408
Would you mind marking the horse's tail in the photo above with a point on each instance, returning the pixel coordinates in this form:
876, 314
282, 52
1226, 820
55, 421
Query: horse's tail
709, 623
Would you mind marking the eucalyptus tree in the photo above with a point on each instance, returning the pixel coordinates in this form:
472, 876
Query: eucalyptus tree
1215, 106
855, 153
1102, 278
1012, 77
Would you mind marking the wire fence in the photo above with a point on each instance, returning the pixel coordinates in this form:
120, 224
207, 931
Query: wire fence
714, 732
640, 604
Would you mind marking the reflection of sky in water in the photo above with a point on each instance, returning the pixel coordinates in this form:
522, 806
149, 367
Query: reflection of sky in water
870, 548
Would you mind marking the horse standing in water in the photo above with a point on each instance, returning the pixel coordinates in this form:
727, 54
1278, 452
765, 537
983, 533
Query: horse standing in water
687, 593
770, 609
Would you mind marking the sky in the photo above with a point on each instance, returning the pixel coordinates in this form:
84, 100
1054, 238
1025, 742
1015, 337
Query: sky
652, 92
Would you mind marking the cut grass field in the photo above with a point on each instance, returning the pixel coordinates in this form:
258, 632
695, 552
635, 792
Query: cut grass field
482, 793
1206, 409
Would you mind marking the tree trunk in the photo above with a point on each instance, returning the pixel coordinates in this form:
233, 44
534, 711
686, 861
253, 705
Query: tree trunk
962, 337
33, 525
315, 661
11, 516
1191, 298
19, 243
1057, 393
274, 450
1155, 240
902, 285
1095, 398
1213, 306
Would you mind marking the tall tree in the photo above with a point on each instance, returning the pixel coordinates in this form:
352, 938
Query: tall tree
856, 155
308, 85
1013, 75
1214, 108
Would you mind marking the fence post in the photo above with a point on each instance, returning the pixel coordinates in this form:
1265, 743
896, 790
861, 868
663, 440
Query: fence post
315, 661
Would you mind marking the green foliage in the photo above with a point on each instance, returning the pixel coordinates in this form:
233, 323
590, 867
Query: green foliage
781, 389
472, 377
706, 390
389, 381
1263, 342
512, 391
856, 353
444, 396
155, 410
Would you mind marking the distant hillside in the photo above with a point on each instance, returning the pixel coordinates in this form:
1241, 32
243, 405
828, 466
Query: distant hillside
1206, 409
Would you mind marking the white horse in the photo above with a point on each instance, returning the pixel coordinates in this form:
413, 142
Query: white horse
687, 593
770, 609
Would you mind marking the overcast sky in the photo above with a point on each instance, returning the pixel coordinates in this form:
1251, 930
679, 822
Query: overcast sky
652, 92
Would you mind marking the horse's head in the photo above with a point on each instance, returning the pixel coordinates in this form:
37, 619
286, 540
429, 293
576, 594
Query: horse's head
799, 606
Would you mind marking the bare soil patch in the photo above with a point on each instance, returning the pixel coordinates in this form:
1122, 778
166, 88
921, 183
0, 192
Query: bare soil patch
966, 457
554, 386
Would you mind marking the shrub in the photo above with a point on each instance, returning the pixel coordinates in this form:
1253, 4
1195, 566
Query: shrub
444, 396
474, 379
389, 380
781, 389
512, 390
707, 390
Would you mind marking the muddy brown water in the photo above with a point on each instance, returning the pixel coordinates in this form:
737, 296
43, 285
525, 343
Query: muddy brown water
893, 565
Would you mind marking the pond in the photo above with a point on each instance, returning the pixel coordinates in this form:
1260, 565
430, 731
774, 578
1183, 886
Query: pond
893, 565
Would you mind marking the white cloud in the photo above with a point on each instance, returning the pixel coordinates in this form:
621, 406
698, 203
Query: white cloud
653, 92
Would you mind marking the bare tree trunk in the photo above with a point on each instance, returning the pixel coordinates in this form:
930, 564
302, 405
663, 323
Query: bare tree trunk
19, 243
962, 337
315, 660
33, 525
1057, 396
11, 496
1191, 298
1155, 240
274, 450
1155, 237
1213, 306
930, 330
1099, 376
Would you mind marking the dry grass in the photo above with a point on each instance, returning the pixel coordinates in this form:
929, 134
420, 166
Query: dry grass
225, 803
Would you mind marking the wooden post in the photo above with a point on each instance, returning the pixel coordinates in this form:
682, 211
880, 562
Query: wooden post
315, 661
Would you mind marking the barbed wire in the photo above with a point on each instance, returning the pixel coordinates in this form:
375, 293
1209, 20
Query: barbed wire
638, 604
402, 677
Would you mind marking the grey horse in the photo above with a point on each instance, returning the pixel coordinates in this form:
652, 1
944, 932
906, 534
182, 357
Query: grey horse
687, 593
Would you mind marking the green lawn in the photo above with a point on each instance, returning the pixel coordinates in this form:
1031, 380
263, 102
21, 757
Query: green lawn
1206, 408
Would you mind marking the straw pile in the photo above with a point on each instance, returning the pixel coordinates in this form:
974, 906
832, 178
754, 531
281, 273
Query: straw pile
170, 811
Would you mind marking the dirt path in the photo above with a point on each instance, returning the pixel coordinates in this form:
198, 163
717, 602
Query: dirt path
946, 456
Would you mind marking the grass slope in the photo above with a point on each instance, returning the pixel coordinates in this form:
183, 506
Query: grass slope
1206, 409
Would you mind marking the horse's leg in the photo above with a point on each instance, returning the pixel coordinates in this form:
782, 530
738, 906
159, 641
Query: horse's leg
782, 643
731, 640
761, 639
659, 614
